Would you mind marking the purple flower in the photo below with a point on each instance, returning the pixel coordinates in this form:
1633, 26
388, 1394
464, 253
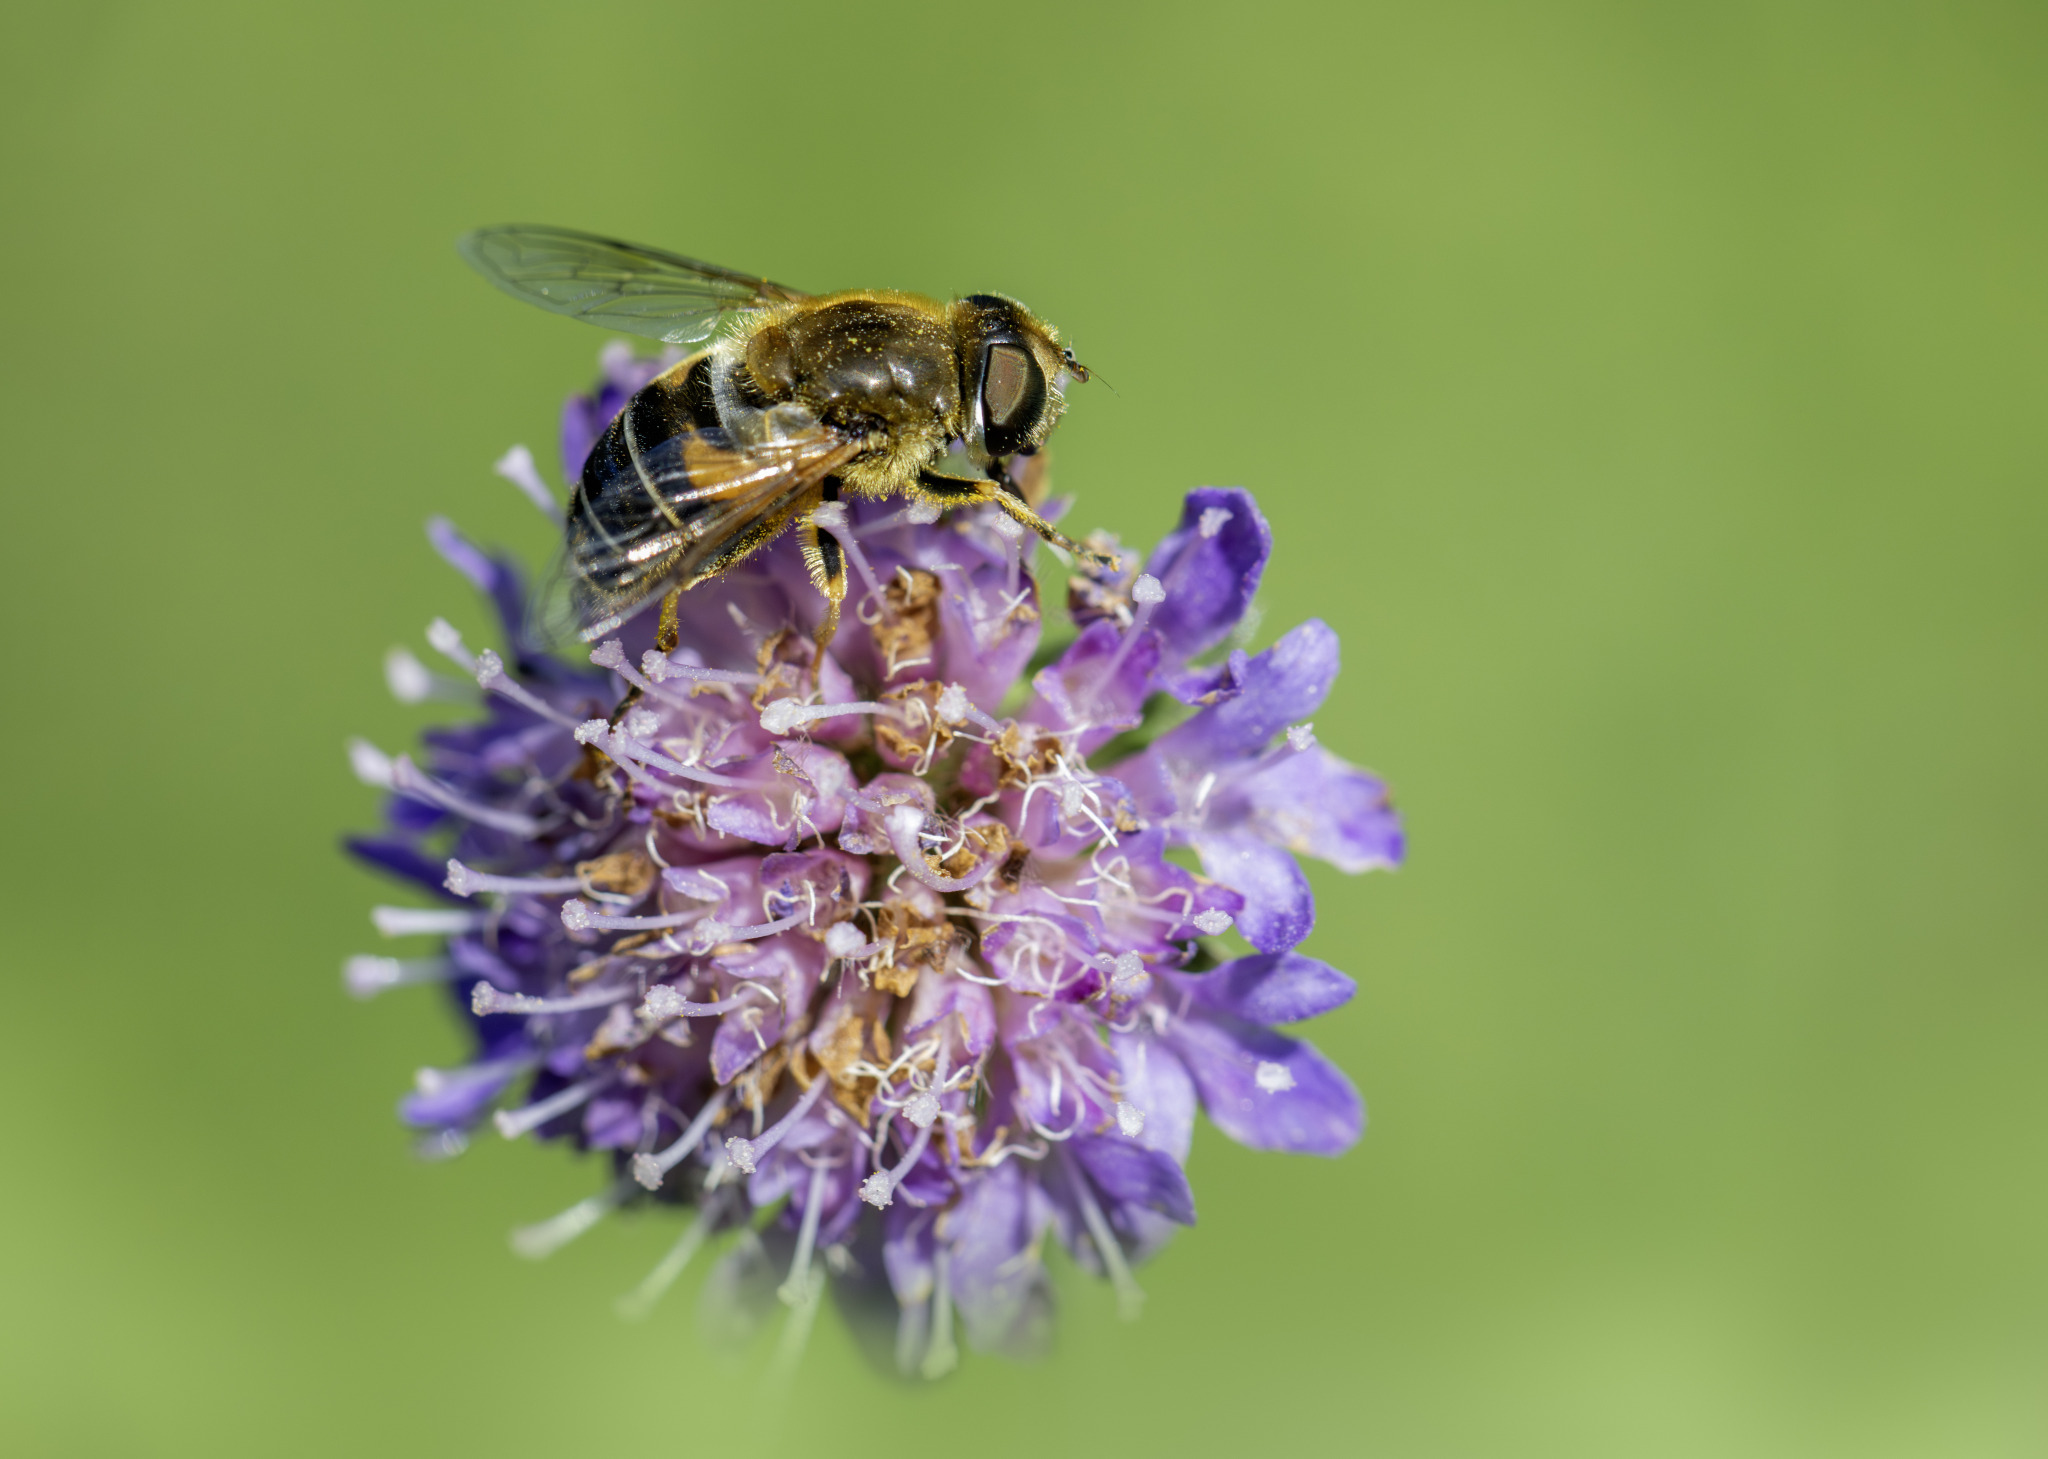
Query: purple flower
886, 982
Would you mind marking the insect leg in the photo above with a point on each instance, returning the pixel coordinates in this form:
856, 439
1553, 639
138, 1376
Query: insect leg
666, 633
827, 565
957, 491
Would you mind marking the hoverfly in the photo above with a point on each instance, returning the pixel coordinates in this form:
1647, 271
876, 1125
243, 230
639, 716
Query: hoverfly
799, 399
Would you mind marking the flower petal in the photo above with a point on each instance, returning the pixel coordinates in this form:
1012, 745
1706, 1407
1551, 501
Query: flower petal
1279, 908
1314, 803
1130, 1174
1277, 987
1266, 1090
998, 1282
1210, 567
1281, 686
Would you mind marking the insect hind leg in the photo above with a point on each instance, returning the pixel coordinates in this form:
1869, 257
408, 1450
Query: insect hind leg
960, 491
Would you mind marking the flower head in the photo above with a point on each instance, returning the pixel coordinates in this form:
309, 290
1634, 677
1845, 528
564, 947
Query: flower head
887, 944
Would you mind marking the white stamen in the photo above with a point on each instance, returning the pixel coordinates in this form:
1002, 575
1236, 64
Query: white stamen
663, 1003
797, 1289
1301, 736
1212, 520
514, 1123
660, 667
491, 676
1130, 1119
1273, 1078
371, 765
517, 467
368, 976
426, 921
943, 1355
637, 1303
953, 703
1147, 589
409, 680
1212, 923
483, 999
579, 916
1007, 526
415, 782
879, 1187
432, 1081
447, 642
780, 716
747, 1154
1130, 1297
544, 1238
465, 882
650, 1170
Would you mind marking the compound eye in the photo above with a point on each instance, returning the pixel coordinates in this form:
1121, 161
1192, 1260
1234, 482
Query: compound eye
1007, 384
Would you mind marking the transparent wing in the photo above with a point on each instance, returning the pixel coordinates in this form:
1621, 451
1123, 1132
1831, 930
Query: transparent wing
615, 285
696, 506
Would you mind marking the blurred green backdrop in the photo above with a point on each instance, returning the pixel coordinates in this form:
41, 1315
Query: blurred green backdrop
1650, 394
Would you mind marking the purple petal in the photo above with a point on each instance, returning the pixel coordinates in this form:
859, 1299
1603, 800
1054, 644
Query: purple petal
1281, 686
1314, 803
1266, 1090
1130, 1174
1210, 567
1157, 1084
1277, 987
1279, 909
998, 1283
1100, 681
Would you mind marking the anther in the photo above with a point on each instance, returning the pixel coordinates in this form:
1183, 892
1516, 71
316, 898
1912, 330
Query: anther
517, 467
1128, 978
1147, 590
447, 641
1212, 923
1212, 520
922, 1108
426, 921
747, 1154
367, 976
1130, 1119
1301, 736
371, 765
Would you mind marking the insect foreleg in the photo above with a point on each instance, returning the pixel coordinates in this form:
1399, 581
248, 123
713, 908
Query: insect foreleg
957, 491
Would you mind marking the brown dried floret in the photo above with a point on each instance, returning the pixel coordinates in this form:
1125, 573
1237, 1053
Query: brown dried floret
1021, 759
920, 735
917, 939
909, 623
627, 873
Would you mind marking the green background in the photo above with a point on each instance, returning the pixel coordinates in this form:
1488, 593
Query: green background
1650, 394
